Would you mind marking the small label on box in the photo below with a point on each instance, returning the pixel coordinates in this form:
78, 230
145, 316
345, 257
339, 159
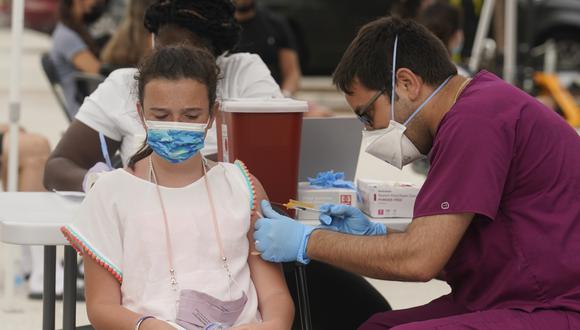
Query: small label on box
346, 199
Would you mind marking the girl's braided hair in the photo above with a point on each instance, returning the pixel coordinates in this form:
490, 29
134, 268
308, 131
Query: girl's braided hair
211, 20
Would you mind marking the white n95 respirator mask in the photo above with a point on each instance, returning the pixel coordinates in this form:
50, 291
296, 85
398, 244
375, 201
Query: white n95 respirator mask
391, 144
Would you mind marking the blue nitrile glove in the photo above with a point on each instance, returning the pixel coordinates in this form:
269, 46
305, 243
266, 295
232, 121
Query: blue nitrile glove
279, 238
349, 220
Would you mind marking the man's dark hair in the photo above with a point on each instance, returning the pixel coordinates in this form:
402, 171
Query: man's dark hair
442, 19
212, 21
175, 63
370, 55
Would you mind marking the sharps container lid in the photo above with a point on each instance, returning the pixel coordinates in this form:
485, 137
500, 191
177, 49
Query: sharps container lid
269, 105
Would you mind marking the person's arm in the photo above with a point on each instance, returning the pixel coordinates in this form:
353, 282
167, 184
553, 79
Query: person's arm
274, 300
103, 297
85, 61
418, 254
290, 70
77, 151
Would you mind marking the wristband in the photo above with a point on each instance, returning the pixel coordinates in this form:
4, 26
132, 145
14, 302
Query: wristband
141, 320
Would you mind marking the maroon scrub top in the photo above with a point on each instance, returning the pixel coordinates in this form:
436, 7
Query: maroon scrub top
515, 164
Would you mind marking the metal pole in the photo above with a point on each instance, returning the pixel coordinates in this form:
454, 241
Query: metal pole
48, 294
70, 289
482, 31
14, 117
511, 42
303, 301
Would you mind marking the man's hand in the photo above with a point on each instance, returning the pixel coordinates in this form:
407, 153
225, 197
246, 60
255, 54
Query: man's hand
279, 238
349, 220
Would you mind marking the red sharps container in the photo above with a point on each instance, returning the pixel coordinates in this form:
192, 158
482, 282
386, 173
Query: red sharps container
265, 135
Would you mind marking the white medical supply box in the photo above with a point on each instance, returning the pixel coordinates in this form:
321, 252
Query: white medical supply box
380, 199
308, 194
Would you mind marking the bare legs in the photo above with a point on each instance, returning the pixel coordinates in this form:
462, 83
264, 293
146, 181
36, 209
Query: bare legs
33, 151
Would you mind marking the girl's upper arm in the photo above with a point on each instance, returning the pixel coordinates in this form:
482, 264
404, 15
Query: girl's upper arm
101, 287
256, 214
267, 276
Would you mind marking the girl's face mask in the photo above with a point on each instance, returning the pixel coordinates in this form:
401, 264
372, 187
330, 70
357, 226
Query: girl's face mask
175, 141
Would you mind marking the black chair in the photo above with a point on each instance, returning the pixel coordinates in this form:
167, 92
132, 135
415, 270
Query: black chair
55, 84
86, 84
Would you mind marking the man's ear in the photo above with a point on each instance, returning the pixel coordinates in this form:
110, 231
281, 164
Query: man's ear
141, 114
408, 84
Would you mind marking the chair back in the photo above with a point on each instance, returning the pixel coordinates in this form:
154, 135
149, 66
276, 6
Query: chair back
55, 84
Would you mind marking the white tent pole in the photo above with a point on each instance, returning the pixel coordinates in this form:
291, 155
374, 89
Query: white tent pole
481, 34
15, 85
14, 116
511, 42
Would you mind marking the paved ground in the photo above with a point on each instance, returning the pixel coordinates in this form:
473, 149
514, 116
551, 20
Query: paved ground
41, 114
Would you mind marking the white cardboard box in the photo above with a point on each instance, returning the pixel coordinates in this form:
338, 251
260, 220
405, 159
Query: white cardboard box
323, 196
381, 199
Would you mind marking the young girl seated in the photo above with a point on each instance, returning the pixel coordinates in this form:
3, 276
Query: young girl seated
165, 241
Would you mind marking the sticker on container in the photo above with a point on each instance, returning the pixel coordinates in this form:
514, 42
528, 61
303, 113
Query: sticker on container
225, 144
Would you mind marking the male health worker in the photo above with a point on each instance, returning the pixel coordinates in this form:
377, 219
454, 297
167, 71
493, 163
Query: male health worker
498, 216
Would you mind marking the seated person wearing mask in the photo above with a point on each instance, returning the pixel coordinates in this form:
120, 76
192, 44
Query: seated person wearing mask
73, 48
160, 251
498, 216
445, 21
111, 109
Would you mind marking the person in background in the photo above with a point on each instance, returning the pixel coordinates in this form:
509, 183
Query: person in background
131, 41
111, 109
33, 151
409, 8
73, 49
445, 21
269, 35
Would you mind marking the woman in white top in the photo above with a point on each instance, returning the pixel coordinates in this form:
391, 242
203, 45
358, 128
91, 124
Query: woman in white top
165, 241
110, 110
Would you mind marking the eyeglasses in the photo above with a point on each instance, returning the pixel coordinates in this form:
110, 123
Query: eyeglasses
363, 112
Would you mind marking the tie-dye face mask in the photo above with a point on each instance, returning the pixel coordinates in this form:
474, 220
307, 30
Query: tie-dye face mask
175, 141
